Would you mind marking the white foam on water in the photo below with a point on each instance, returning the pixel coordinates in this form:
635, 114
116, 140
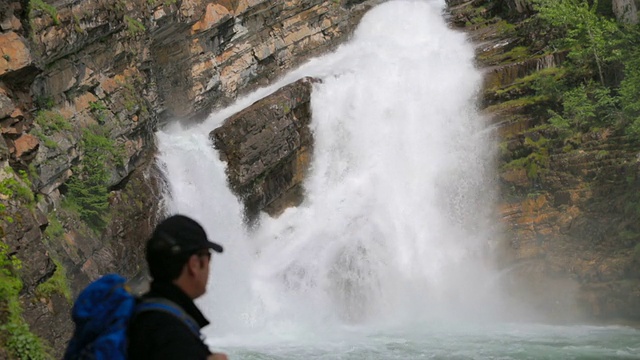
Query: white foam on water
397, 224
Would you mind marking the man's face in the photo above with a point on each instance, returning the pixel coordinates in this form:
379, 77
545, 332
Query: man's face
202, 273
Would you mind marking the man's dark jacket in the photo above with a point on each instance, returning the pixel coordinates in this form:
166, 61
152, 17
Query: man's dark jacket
161, 335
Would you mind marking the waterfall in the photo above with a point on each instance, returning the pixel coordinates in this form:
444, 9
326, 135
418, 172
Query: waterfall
398, 221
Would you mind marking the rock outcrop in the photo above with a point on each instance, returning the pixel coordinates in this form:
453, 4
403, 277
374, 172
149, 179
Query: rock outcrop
268, 147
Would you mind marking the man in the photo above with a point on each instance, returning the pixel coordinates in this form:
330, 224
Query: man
178, 257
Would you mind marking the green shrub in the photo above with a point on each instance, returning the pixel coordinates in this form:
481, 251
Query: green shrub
54, 230
45, 102
592, 93
549, 82
593, 41
57, 283
99, 109
52, 121
19, 189
630, 85
76, 24
97, 106
130, 95
49, 9
10, 284
46, 141
24, 344
536, 163
134, 27
15, 335
88, 194
585, 108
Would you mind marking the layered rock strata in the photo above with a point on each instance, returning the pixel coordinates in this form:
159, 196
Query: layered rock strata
571, 214
93, 79
267, 147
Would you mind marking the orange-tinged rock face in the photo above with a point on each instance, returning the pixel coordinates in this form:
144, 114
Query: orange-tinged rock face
110, 85
212, 16
243, 5
83, 101
533, 205
25, 144
17, 114
14, 54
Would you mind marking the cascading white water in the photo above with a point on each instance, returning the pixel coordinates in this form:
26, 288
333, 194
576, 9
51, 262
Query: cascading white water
397, 221
392, 245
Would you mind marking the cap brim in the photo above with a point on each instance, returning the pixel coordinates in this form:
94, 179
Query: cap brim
215, 247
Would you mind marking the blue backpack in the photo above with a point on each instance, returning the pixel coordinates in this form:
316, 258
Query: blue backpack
102, 313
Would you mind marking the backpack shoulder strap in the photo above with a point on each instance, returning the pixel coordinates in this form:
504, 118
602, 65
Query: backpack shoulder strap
170, 307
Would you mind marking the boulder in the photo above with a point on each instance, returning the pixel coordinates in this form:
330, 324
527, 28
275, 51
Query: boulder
267, 146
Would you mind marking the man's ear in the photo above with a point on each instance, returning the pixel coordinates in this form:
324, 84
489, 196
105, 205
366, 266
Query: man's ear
193, 264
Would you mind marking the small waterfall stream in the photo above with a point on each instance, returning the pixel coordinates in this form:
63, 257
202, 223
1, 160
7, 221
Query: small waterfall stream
398, 225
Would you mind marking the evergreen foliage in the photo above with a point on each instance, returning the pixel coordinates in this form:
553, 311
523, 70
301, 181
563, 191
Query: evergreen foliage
88, 192
585, 106
134, 27
630, 85
593, 91
592, 41
16, 188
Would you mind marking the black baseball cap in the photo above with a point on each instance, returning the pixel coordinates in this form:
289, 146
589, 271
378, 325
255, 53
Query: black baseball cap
180, 235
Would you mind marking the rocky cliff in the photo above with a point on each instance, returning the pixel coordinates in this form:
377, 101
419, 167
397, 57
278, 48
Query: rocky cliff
83, 86
569, 195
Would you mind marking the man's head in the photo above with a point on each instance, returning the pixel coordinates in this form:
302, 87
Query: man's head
178, 252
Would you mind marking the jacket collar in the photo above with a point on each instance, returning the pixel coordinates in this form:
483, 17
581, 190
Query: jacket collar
175, 294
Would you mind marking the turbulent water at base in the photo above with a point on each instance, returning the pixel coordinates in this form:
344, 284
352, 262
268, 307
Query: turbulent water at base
390, 255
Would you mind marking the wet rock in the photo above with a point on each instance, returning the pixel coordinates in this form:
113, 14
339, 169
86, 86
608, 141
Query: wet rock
268, 146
